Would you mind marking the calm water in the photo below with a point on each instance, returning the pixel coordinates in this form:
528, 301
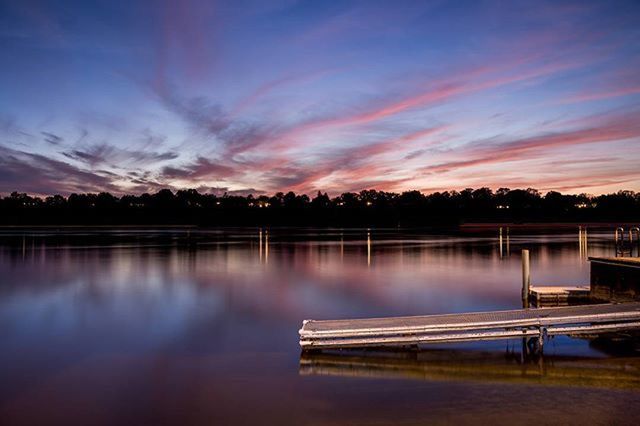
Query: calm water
192, 327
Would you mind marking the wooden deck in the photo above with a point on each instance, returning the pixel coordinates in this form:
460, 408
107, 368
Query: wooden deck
545, 296
416, 330
615, 279
631, 262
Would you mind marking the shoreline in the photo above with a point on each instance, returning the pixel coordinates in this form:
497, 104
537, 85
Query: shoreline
472, 226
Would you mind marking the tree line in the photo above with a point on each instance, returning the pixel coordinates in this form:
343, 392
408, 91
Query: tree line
366, 208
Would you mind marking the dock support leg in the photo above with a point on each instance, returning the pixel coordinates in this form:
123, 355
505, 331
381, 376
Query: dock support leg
541, 337
532, 348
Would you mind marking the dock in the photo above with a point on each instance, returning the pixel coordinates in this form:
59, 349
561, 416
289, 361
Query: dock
631, 262
615, 279
544, 296
521, 323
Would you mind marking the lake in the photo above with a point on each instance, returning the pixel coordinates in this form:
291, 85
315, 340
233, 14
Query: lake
186, 326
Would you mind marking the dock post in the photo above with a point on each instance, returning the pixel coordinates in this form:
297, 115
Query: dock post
526, 278
541, 337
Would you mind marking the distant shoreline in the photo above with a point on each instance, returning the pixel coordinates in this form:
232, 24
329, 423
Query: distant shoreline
480, 209
471, 226
81, 226
543, 225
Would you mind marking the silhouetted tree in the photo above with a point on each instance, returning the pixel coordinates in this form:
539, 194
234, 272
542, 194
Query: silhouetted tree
321, 200
368, 207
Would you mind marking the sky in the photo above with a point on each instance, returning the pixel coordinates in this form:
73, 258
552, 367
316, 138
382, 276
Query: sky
257, 96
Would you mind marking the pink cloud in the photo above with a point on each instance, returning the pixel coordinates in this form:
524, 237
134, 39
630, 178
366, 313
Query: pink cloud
201, 168
466, 82
354, 164
607, 94
621, 128
271, 86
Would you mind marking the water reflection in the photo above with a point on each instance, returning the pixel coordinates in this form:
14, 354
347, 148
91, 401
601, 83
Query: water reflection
503, 242
118, 325
455, 365
411, 274
583, 243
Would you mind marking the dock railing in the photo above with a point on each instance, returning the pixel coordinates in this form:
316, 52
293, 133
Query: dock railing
626, 246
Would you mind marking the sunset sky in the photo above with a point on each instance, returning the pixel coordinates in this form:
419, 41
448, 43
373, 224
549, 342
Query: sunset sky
266, 96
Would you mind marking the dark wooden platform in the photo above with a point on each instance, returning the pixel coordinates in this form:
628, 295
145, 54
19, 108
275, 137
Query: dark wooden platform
632, 262
615, 279
415, 330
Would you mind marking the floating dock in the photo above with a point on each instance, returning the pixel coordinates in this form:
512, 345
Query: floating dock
521, 323
615, 279
631, 262
542, 296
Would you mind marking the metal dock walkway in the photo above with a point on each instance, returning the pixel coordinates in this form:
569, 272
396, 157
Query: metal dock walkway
416, 330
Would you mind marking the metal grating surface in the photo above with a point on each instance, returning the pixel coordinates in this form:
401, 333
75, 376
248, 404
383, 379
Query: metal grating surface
311, 327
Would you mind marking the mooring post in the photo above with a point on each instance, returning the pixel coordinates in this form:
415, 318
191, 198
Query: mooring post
526, 278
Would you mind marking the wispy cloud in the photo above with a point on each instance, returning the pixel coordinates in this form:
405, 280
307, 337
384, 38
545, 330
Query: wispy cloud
623, 127
99, 154
352, 164
319, 96
38, 174
202, 168
51, 138
606, 94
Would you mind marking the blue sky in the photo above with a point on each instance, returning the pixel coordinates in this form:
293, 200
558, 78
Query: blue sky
259, 96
